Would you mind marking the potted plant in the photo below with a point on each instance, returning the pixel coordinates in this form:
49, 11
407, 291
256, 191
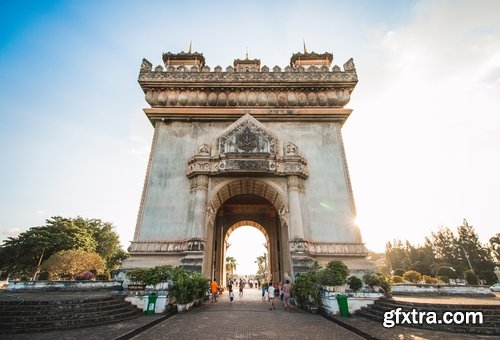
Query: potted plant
377, 282
334, 276
306, 291
354, 283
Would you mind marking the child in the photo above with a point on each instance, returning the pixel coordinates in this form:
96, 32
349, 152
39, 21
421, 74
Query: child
271, 295
231, 295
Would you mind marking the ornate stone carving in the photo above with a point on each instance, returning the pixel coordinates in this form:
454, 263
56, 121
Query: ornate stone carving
349, 65
247, 146
203, 150
338, 249
291, 149
157, 246
200, 182
146, 65
195, 86
246, 140
247, 135
299, 246
196, 244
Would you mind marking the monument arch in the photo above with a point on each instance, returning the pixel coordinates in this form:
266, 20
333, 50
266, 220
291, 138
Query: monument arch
248, 143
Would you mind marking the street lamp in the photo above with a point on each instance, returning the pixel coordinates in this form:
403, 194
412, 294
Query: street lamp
466, 256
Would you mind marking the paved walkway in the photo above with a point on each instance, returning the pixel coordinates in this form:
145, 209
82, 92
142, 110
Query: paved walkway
247, 318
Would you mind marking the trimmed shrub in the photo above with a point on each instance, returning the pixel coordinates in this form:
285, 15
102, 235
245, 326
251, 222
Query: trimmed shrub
471, 277
335, 274
444, 278
354, 283
397, 279
306, 290
412, 276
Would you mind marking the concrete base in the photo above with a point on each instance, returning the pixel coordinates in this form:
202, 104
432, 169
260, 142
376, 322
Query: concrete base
47, 286
355, 301
434, 289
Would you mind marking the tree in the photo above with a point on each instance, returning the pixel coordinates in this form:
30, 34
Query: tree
474, 254
262, 266
23, 254
444, 246
230, 266
67, 264
495, 246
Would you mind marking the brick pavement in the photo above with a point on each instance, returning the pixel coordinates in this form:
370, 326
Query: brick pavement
246, 318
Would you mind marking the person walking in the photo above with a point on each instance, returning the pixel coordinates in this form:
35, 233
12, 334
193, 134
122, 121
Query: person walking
287, 289
231, 295
214, 288
263, 289
270, 291
242, 283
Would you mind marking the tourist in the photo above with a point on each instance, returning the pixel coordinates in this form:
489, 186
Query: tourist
287, 289
214, 288
231, 295
270, 292
241, 287
263, 289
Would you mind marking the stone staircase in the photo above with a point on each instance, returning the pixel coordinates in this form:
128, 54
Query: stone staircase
490, 325
18, 316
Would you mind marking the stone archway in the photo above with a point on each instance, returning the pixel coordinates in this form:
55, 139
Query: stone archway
256, 202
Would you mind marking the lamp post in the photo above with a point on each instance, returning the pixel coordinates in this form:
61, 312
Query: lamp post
467, 257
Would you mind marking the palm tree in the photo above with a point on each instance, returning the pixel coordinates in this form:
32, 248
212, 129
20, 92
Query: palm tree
230, 266
495, 246
262, 264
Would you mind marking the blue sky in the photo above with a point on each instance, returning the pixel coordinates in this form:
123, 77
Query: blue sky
423, 142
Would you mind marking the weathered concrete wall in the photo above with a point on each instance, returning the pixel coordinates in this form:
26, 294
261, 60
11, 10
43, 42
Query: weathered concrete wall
327, 203
327, 207
167, 201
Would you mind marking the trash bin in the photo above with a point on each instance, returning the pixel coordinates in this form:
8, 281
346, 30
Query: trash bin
150, 310
343, 308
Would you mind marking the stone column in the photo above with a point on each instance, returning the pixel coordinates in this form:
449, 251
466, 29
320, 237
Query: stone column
295, 210
200, 205
193, 260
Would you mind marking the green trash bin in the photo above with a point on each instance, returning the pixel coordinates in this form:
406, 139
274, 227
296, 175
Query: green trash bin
150, 310
343, 307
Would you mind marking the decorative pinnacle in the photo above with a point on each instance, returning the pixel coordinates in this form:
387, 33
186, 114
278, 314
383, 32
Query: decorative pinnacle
190, 45
305, 49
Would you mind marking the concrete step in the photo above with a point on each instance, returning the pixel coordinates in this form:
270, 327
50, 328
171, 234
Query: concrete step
490, 325
57, 310
31, 327
437, 306
36, 316
64, 316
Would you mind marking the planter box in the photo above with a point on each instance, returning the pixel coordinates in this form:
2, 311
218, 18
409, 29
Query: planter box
436, 289
355, 301
51, 286
142, 302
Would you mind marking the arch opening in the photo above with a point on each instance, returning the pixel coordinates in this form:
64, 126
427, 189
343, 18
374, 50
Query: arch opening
246, 249
247, 203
